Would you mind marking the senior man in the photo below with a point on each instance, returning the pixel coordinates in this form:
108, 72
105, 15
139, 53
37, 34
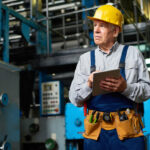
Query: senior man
112, 121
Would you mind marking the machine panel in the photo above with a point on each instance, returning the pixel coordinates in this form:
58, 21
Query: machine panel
51, 98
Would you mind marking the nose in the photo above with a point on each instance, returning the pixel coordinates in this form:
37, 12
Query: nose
97, 29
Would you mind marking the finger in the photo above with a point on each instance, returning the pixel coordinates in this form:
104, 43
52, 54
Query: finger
113, 80
107, 88
109, 84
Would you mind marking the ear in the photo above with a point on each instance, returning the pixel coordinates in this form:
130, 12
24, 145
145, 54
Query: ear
116, 31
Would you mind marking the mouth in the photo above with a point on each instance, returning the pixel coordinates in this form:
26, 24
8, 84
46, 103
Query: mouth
97, 37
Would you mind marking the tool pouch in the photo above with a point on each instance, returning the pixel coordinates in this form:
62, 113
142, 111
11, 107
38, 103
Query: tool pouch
92, 130
128, 128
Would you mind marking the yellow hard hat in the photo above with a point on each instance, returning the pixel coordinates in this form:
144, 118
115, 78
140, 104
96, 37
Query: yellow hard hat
110, 14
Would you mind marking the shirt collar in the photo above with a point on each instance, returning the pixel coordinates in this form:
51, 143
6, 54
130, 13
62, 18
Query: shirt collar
114, 48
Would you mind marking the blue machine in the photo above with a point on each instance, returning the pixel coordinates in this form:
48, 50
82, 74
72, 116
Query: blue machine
9, 107
147, 123
74, 120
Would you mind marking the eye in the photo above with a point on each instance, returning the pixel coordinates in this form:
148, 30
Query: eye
102, 25
95, 24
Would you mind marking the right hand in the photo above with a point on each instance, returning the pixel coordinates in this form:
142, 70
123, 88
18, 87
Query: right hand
90, 79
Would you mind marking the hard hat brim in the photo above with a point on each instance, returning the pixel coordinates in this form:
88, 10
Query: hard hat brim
93, 18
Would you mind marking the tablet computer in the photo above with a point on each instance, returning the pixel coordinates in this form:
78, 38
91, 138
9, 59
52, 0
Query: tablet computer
98, 76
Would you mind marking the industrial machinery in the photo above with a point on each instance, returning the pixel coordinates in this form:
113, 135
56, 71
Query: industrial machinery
147, 123
74, 126
9, 107
36, 133
45, 123
74, 121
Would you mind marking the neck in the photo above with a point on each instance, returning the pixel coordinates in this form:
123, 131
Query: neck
106, 48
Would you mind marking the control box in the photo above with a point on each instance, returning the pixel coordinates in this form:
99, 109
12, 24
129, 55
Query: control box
51, 98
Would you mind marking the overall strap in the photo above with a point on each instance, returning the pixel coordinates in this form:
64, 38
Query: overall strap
122, 61
93, 67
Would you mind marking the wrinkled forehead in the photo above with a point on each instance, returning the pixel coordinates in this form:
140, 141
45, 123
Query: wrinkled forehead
100, 22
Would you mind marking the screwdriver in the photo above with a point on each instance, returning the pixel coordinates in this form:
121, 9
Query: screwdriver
97, 116
91, 117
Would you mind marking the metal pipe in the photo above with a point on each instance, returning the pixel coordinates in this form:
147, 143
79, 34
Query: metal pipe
77, 27
5, 25
9, 1
135, 11
135, 17
66, 14
64, 30
148, 9
15, 4
36, 9
139, 8
56, 2
31, 11
86, 35
22, 10
132, 22
53, 2
68, 27
47, 27
141, 4
147, 28
63, 6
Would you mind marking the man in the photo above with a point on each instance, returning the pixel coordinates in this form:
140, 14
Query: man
112, 121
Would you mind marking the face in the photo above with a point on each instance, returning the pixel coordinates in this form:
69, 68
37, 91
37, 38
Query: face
104, 33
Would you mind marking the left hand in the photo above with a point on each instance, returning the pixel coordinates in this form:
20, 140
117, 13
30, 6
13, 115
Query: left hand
114, 84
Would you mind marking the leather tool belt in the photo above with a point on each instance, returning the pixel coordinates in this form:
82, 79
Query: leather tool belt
127, 123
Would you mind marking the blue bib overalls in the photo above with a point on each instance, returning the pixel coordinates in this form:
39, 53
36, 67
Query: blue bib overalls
112, 102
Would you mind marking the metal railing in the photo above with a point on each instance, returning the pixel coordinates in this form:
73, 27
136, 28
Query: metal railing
80, 26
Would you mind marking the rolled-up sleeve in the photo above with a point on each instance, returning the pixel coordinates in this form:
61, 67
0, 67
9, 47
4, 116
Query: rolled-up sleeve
79, 90
140, 90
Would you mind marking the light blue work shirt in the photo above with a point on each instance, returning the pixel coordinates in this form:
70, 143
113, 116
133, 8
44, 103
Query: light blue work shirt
137, 76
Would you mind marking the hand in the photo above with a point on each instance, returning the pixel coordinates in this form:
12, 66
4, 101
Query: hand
90, 79
113, 84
